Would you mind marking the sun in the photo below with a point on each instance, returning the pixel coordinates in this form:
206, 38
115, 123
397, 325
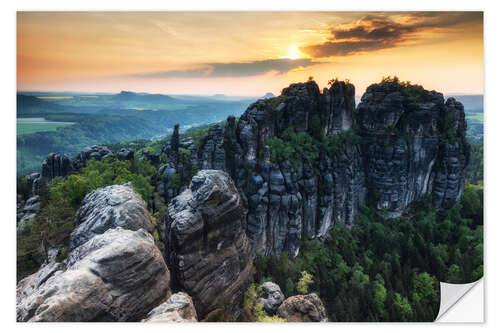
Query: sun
293, 52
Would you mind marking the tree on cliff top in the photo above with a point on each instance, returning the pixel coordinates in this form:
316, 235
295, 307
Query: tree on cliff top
415, 91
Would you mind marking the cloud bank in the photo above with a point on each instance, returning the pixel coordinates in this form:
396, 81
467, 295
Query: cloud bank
381, 31
232, 69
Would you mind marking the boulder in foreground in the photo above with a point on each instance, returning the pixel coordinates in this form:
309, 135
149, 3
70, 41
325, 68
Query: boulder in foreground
303, 308
107, 208
178, 308
119, 275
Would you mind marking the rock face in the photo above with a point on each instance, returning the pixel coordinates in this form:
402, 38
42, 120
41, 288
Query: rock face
34, 183
107, 208
412, 146
396, 147
56, 165
95, 152
28, 211
153, 158
179, 168
113, 272
178, 308
273, 297
303, 308
206, 246
285, 201
59, 165
119, 275
125, 154
338, 106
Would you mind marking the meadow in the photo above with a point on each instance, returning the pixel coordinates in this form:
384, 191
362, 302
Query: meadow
34, 125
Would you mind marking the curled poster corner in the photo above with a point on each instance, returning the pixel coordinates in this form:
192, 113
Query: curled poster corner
460, 303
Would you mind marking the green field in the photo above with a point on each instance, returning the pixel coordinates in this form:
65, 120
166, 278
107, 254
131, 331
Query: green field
475, 117
27, 127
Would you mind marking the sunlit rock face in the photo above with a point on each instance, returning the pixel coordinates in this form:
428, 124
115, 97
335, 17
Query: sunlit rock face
399, 145
113, 272
119, 275
179, 308
107, 208
206, 246
303, 308
272, 297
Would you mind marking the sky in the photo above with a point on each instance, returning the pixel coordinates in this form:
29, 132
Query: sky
246, 53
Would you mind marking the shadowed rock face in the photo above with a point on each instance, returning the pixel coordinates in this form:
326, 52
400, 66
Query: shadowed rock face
178, 308
91, 153
406, 148
284, 202
303, 308
125, 154
412, 148
107, 208
56, 165
60, 165
119, 275
207, 249
338, 105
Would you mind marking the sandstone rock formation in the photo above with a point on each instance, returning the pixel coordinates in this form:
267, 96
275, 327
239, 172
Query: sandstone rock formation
303, 308
56, 165
412, 146
119, 275
34, 180
107, 208
178, 308
125, 154
396, 147
28, 211
273, 297
206, 247
154, 159
95, 152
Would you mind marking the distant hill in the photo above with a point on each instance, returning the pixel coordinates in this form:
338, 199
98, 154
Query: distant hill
32, 104
129, 96
268, 95
216, 97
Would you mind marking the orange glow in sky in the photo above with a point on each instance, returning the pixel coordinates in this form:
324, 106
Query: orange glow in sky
246, 53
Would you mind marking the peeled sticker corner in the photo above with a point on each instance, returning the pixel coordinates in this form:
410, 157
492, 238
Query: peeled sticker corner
461, 302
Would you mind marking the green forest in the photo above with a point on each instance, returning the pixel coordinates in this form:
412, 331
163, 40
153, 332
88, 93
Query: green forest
387, 270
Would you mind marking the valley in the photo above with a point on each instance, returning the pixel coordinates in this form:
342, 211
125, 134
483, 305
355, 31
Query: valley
105, 118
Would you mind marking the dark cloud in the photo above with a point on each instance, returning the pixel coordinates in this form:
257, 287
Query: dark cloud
233, 69
379, 31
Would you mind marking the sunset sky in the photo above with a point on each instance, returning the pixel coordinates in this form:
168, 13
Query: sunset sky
246, 53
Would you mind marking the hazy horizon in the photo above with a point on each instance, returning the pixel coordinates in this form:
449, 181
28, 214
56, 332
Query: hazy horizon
201, 95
